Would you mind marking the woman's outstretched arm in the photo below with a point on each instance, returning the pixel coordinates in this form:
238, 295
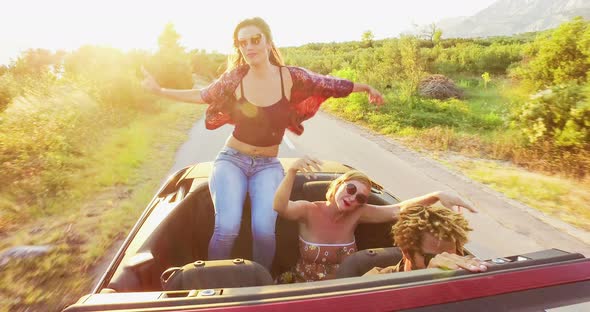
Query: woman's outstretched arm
189, 95
387, 213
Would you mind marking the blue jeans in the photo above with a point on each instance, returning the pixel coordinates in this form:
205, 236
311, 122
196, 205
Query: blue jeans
233, 175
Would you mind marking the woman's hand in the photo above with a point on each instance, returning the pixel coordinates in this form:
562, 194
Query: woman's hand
375, 96
447, 261
454, 202
306, 165
149, 82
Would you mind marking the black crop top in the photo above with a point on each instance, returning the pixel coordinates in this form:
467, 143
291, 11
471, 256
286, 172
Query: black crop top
261, 126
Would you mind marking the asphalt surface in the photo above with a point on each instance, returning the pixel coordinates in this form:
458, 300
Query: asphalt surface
503, 227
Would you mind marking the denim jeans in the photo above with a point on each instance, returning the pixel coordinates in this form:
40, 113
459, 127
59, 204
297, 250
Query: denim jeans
235, 174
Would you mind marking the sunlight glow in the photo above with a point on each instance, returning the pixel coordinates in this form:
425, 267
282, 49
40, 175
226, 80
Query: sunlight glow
68, 24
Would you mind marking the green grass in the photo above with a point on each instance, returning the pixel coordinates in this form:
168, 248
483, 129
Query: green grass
563, 198
476, 127
106, 197
482, 111
125, 151
488, 103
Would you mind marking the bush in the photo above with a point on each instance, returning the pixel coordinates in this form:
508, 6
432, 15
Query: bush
557, 57
6, 91
560, 114
209, 65
472, 58
109, 76
41, 139
12, 86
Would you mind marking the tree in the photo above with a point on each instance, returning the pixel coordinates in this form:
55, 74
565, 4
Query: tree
209, 65
429, 32
33, 62
437, 36
169, 39
171, 64
557, 57
367, 38
412, 65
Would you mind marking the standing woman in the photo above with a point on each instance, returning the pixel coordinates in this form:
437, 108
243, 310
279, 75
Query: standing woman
262, 98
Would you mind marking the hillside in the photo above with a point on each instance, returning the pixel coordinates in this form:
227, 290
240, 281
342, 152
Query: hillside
508, 17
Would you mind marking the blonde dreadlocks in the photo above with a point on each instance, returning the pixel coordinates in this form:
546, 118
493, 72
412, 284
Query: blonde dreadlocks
442, 223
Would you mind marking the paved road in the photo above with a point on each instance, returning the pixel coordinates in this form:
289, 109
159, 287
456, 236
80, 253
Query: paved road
503, 227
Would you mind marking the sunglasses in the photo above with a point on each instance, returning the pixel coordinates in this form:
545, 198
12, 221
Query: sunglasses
254, 40
351, 190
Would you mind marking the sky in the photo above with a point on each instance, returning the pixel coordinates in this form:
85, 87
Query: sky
126, 24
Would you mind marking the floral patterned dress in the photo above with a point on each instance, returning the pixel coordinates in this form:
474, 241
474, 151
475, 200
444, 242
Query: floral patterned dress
317, 261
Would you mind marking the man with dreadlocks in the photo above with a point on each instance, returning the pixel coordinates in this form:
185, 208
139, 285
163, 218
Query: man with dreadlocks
431, 237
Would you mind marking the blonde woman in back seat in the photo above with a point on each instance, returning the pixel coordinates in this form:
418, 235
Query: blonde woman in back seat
326, 228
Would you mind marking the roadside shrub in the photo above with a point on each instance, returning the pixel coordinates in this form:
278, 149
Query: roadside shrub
41, 138
497, 58
109, 76
560, 114
557, 57
12, 85
6, 91
354, 107
209, 65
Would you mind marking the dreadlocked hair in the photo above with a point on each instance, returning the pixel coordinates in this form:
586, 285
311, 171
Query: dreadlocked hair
442, 223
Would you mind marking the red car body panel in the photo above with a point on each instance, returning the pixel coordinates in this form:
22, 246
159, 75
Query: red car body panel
432, 294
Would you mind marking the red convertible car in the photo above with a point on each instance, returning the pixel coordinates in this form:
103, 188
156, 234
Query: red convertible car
173, 233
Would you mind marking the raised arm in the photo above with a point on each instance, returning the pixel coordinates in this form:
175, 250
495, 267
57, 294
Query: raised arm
189, 95
387, 213
328, 86
449, 200
294, 210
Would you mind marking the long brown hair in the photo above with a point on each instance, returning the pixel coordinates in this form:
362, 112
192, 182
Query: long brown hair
237, 59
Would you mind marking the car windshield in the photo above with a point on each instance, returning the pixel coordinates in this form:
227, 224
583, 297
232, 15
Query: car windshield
225, 152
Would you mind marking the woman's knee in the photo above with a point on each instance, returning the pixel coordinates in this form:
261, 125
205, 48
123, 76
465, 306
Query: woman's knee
227, 227
263, 233
263, 222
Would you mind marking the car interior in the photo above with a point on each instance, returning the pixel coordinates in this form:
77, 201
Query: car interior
173, 233
181, 236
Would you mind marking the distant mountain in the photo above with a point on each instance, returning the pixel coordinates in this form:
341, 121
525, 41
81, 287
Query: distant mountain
508, 17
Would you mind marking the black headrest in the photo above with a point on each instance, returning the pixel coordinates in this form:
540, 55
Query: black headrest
315, 190
363, 261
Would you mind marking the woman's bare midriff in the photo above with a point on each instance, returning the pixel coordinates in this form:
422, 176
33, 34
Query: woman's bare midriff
252, 150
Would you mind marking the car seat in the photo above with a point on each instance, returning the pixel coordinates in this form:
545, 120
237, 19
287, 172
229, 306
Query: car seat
215, 274
363, 261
